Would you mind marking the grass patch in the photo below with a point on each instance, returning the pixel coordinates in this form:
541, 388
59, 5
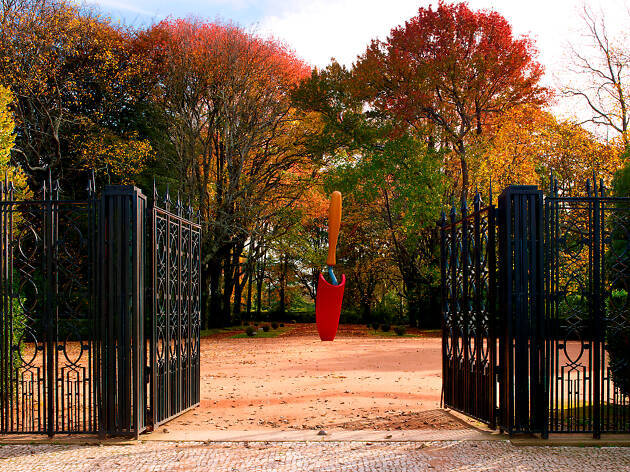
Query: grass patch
229, 329
425, 333
391, 334
263, 334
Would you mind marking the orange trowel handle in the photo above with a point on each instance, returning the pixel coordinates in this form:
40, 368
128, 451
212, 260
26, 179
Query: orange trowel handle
334, 222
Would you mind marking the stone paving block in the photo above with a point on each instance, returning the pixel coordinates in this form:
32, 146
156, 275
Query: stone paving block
312, 456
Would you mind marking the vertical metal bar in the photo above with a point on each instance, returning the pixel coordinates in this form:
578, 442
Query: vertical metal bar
455, 312
492, 316
465, 312
48, 317
4, 318
180, 387
547, 312
198, 314
478, 399
596, 316
444, 301
168, 391
521, 381
506, 366
154, 418
53, 248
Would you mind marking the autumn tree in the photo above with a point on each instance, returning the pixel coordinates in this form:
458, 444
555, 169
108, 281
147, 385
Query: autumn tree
528, 144
395, 177
75, 82
402, 186
237, 140
7, 141
448, 73
364, 255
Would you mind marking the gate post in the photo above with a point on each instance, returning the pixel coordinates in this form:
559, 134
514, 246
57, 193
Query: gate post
523, 385
120, 305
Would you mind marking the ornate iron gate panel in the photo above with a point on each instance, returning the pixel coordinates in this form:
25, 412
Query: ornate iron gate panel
469, 301
562, 321
588, 279
75, 356
176, 310
47, 341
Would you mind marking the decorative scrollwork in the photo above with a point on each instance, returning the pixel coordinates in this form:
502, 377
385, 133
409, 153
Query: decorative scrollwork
177, 313
467, 258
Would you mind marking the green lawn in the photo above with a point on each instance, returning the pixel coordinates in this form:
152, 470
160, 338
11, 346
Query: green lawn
272, 333
392, 334
229, 329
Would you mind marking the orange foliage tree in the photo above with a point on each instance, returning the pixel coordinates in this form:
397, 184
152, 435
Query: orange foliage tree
528, 143
74, 79
238, 143
449, 72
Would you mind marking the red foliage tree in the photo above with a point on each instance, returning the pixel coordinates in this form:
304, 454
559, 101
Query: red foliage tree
451, 70
236, 139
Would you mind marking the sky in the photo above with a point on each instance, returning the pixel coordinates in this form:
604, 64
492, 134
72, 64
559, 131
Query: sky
321, 29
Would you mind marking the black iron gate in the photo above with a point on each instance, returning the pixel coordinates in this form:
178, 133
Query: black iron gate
553, 314
468, 288
588, 274
48, 353
75, 356
176, 309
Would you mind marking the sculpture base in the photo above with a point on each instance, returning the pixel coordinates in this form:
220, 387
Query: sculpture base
328, 307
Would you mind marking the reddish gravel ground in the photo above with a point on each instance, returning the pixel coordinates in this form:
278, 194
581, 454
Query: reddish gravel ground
295, 381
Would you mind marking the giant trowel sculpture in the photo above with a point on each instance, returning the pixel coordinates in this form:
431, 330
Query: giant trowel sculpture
330, 295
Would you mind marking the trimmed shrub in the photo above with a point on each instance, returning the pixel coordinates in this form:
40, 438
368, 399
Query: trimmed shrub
375, 326
274, 325
266, 328
400, 330
250, 331
282, 325
385, 327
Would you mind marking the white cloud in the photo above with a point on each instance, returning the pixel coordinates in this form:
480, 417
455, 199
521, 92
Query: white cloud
321, 29
124, 6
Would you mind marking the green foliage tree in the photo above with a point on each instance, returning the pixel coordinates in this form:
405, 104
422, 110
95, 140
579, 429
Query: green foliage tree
400, 186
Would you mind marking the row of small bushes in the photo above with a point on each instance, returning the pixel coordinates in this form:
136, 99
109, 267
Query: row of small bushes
250, 330
386, 327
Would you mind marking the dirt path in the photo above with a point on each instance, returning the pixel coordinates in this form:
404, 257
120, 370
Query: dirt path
296, 381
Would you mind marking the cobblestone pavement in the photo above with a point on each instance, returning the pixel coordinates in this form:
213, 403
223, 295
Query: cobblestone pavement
313, 456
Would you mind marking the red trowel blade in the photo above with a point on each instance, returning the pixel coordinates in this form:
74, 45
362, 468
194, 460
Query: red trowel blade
328, 307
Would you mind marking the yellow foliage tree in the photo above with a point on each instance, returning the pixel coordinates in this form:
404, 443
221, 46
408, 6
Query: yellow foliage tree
7, 141
528, 143
121, 158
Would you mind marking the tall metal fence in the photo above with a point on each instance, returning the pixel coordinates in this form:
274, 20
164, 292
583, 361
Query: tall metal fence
536, 340
83, 342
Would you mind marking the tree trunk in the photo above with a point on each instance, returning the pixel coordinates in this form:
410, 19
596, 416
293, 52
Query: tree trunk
250, 275
228, 285
414, 303
461, 151
214, 279
283, 284
260, 277
238, 284
205, 296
